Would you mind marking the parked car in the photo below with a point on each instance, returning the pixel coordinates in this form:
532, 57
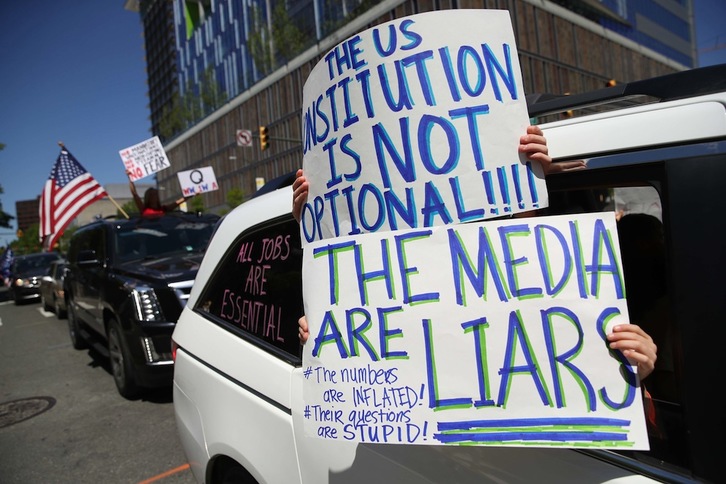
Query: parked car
126, 285
26, 273
660, 166
51, 288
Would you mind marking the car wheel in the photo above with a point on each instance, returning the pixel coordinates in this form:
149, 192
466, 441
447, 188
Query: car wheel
123, 373
77, 340
227, 471
44, 303
59, 313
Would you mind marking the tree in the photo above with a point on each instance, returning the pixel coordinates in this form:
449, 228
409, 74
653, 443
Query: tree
277, 44
130, 208
196, 204
5, 218
186, 109
27, 242
235, 197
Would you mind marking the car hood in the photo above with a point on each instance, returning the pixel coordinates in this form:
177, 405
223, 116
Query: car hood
164, 269
38, 272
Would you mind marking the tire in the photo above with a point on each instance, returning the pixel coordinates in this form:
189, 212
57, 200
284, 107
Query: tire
228, 471
44, 304
77, 340
59, 313
121, 367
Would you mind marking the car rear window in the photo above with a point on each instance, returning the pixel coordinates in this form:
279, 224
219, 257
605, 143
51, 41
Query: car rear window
256, 290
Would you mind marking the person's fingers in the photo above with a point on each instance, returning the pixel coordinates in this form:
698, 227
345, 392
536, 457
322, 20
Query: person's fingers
636, 345
561, 166
302, 329
299, 195
299, 178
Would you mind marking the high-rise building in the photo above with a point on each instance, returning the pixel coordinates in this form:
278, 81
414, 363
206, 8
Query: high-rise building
663, 26
27, 213
241, 64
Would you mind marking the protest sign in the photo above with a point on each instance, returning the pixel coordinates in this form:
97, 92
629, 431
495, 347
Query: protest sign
198, 180
488, 333
409, 125
144, 159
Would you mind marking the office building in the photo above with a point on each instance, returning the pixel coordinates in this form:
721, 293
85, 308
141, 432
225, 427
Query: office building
242, 64
27, 212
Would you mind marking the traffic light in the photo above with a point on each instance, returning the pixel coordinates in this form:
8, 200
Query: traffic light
569, 113
611, 83
264, 138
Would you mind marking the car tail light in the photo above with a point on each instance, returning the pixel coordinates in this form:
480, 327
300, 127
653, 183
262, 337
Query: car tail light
174, 346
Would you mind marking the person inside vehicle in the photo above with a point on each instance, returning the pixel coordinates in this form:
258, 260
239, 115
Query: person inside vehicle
151, 205
630, 339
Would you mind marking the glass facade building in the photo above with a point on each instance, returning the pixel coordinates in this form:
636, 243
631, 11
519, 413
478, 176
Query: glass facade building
665, 26
218, 66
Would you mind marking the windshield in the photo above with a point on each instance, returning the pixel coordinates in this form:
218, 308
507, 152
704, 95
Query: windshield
158, 238
35, 262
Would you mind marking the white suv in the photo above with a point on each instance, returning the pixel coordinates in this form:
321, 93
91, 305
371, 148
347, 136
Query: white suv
660, 165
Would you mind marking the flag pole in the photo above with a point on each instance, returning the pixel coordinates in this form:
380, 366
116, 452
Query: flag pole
117, 205
120, 209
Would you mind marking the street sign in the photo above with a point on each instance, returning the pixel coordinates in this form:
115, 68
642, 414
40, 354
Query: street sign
244, 138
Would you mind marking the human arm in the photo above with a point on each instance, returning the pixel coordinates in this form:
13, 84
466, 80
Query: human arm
137, 199
636, 345
173, 205
534, 145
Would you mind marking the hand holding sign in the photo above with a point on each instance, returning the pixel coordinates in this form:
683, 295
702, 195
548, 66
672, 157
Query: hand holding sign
199, 180
408, 126
432, 330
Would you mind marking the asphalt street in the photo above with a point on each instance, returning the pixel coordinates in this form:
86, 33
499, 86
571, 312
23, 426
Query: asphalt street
62, 420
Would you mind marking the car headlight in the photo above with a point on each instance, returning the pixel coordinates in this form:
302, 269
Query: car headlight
146, 304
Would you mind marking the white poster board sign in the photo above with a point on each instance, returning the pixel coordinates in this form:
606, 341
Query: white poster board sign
429, 325
489, 333
144, 159
410, 125
198, 180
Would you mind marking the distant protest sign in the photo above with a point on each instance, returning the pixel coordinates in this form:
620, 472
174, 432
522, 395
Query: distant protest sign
198, 180
489, 333
410, 125
144, 159
428, 323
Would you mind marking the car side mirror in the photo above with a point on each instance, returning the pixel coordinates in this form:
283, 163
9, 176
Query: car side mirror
88, 258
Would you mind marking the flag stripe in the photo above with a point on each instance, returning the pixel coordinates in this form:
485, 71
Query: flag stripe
66, 216
68, 190
68, 197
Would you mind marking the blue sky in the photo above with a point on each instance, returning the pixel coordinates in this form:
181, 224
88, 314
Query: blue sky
74, 72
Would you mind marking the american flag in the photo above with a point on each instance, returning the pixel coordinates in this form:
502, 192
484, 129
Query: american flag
69, 189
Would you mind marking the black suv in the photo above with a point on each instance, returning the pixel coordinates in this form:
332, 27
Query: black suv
127, 283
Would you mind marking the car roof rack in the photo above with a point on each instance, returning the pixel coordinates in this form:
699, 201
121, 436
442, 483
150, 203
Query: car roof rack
693, 82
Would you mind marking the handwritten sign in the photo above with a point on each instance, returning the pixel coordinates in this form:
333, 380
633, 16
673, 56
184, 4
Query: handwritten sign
489, 333
145, 158
257, 288
198, 180
408, 125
